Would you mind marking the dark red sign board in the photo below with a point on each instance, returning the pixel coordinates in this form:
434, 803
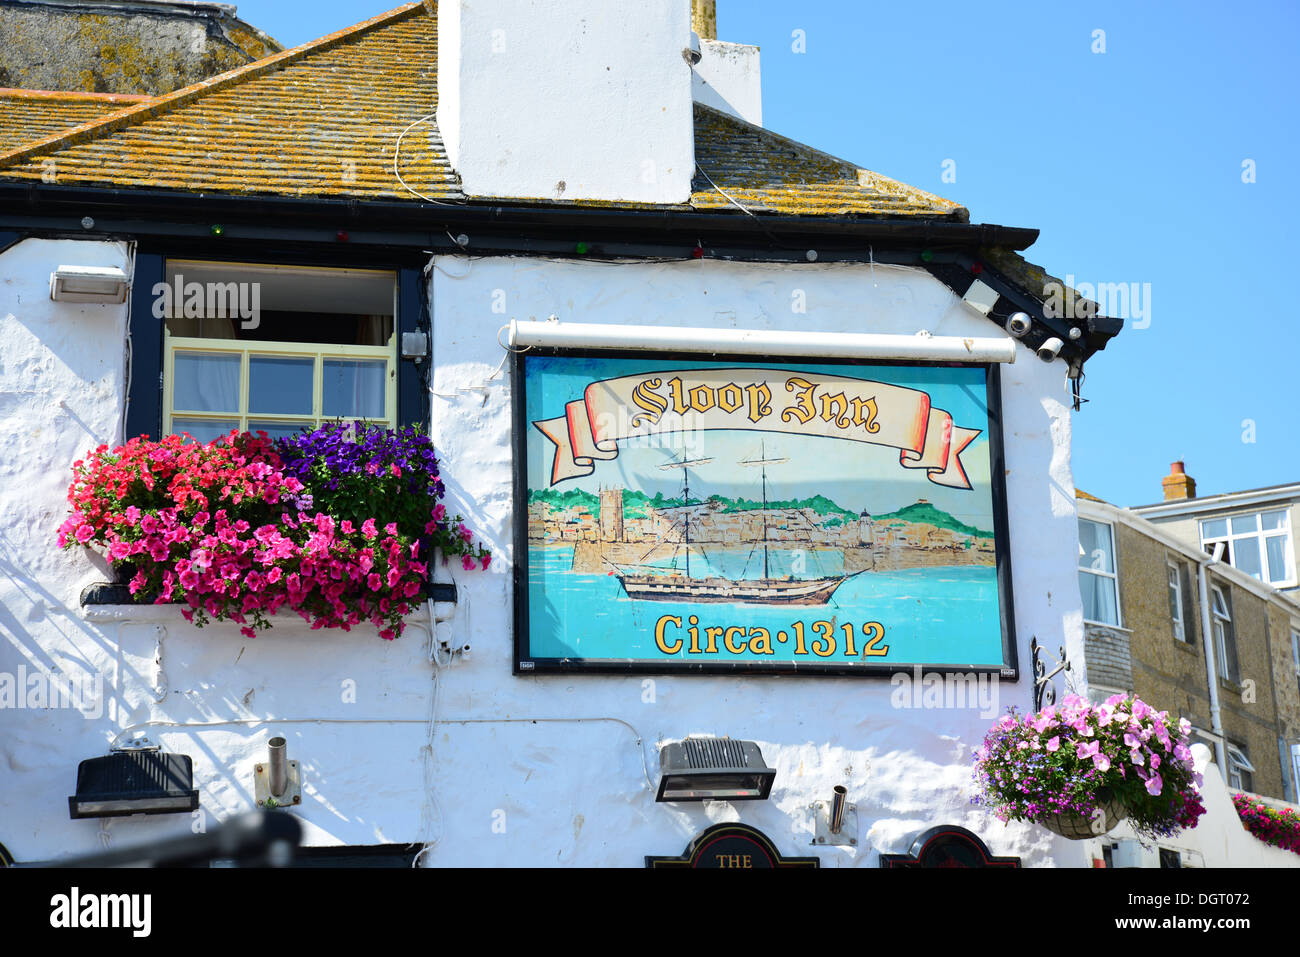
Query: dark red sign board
948, 846
734, 846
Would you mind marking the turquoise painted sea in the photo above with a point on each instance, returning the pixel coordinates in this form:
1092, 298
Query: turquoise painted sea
932, 616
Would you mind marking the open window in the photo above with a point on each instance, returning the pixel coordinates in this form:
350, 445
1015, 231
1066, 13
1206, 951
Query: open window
1225, 638
276, 348
1241, 773
1258, 544
1177, 614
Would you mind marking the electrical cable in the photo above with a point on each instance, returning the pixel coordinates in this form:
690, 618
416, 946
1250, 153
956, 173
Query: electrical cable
397, 152
130, 349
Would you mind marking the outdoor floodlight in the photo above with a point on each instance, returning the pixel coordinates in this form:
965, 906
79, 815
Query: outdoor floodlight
105, 284
134, 782
713, 769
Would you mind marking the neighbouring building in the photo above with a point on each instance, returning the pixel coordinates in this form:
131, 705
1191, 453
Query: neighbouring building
754, 434
1256, 528
130, 47
1200, 639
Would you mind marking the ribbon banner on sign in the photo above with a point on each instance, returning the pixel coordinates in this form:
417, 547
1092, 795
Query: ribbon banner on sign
794, 403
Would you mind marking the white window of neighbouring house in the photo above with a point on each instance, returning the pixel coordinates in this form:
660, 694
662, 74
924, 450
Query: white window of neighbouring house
1175, 601
276, 348
1258, 544
1295, 660
1241, 773
1098, 582
1225, 639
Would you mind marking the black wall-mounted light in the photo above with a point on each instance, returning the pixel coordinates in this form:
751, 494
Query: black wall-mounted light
713, 769
134, 782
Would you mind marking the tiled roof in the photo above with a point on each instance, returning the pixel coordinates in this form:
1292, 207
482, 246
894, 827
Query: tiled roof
323, 120
765, 172
27, 115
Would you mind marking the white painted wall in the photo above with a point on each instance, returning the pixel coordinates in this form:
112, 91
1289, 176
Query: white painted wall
575, 792
515, 771
62, 368
548, 99
728, 78
1219, 839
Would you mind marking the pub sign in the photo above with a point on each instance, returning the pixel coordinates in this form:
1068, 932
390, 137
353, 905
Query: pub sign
678, 514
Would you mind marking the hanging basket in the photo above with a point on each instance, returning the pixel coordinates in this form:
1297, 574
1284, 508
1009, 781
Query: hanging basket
1076, 827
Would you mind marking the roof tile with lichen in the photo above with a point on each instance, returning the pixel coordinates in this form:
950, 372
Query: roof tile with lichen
325, 119
27, 115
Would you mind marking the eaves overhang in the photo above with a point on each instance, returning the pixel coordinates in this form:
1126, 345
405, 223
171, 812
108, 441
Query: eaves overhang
952, 251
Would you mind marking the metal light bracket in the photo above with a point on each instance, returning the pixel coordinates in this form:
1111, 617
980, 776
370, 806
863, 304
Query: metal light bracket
823, 836
140, 741
262, 786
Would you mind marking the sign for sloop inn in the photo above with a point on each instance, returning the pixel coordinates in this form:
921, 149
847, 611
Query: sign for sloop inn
684, 515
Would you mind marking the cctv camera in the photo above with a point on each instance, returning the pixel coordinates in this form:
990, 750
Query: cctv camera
1019, 324
1050, 349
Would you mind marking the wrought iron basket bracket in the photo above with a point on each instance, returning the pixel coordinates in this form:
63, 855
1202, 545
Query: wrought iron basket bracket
1044, 690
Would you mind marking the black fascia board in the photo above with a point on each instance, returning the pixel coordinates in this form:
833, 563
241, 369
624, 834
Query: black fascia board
682, 223
357, 231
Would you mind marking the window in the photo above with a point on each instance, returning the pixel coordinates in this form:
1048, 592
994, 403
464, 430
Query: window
1098, 583
1176, 601
1295, 656
276, 348
1241, 773
1225, 639
1295, 770
1257, 544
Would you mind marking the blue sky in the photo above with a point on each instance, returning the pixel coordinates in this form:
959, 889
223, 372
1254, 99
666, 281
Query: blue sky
1130, 162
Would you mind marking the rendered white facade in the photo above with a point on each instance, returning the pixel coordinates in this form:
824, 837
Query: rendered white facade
409, 741
535, 102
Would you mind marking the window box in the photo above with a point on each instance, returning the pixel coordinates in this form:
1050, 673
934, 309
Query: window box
337, 525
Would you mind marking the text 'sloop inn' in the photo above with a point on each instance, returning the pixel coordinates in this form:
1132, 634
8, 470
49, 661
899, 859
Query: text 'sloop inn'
778, 400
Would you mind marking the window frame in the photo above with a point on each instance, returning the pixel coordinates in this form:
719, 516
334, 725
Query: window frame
1295, 660
248, 420
1239, 764
1224, 631
1102, 573
146, 348
1178, 614
1260, 536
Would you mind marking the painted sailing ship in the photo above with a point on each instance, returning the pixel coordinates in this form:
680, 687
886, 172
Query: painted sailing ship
655, 583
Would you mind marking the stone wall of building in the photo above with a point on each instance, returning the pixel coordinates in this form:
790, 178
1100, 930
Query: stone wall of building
111, 46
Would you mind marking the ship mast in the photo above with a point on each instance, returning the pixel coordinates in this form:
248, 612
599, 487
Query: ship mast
764, 462
684, 465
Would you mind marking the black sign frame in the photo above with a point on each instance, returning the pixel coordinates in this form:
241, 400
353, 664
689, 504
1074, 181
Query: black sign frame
524, 663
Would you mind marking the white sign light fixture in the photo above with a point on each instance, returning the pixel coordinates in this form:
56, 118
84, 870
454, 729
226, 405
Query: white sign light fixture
102, 284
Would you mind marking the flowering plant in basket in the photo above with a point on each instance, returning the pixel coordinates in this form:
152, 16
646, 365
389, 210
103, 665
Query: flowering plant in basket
237, 529
1122, 758
1279, 828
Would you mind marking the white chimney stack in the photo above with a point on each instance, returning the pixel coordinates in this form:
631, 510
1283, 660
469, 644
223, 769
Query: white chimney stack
557, 99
